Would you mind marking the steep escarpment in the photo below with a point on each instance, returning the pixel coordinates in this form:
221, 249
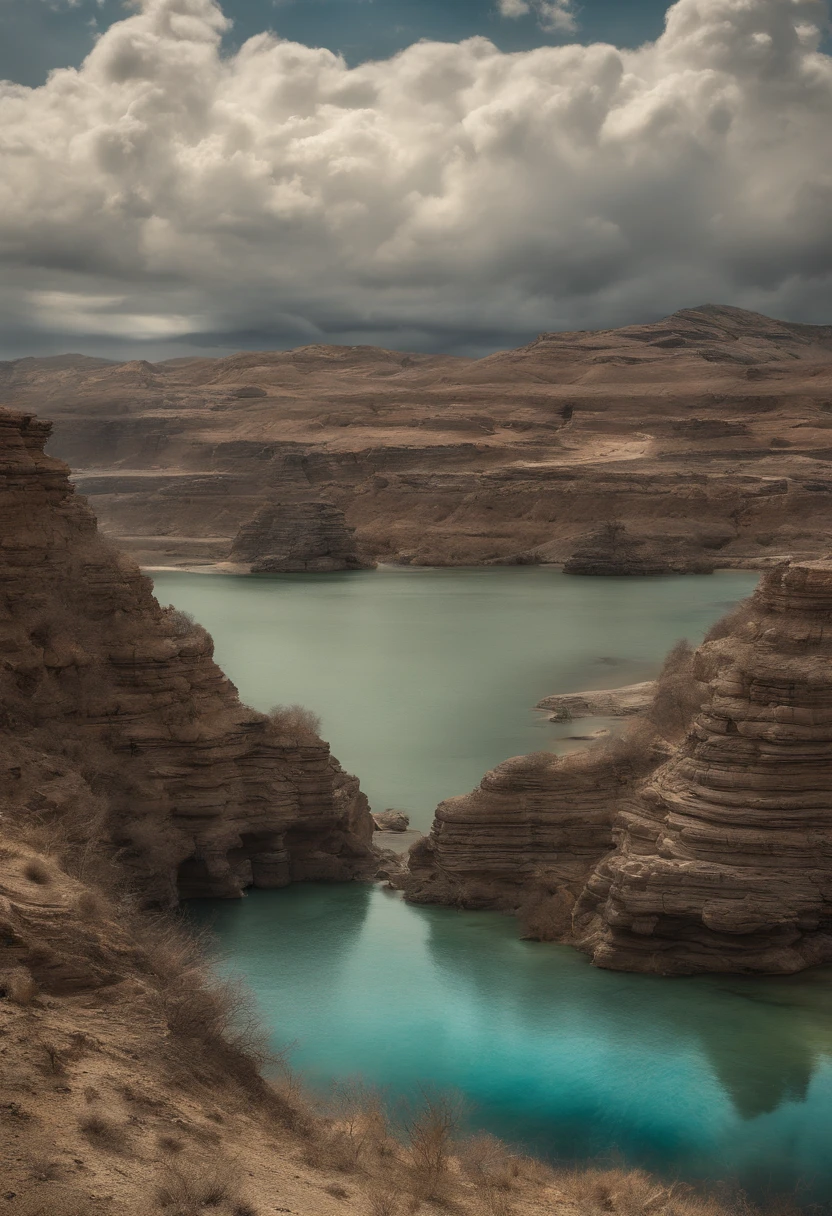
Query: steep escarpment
528, 838
297, 537
706, 435
118, 726
700, 840
724, 857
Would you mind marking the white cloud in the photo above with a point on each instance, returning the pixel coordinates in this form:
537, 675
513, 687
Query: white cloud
554, 16
452, 192
513, 8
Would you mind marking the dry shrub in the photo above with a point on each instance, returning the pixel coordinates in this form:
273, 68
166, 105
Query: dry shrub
383, 1200
104, 1131
634, 1193
53, 1058
679, 695
296, 722
45, 1169
170, 1144
488, 1163
182, 623
193, 1188
546, 915
431, 1127
214, 1021
18, 986
38, 872
733, 621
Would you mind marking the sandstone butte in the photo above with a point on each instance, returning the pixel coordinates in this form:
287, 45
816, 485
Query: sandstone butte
131, 774
700, 841
701, 440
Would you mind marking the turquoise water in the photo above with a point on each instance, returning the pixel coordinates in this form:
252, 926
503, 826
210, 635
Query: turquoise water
424, 680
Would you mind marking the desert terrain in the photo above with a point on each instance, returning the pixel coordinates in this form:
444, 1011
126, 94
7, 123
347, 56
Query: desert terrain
702, 440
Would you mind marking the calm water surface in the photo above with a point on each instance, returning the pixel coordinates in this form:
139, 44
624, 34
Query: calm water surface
424, 680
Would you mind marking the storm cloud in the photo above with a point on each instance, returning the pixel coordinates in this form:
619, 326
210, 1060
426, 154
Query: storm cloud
451, 197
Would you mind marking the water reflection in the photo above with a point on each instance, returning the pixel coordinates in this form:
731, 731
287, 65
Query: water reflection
698, 1078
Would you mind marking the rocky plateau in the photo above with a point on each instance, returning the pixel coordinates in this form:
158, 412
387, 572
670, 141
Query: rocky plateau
702, 440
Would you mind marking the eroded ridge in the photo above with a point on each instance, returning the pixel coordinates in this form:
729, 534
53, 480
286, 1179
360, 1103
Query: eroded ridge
723, 859
114, 711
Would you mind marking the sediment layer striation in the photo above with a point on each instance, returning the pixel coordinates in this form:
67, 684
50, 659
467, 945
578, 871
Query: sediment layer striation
701, 840
309, 536
724, 857
706, 435
112, 705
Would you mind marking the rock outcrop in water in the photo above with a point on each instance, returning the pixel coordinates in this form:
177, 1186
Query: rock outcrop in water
111, 702
298, 537
724, 857
701, 840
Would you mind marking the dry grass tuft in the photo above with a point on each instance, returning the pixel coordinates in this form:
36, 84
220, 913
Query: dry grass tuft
383, 1200
104, 1131
194, 1188
38, 871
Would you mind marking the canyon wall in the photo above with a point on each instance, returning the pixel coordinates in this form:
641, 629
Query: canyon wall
699, 841
706, 436
723, 859
117, 725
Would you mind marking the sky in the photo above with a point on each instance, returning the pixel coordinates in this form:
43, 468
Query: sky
178, 177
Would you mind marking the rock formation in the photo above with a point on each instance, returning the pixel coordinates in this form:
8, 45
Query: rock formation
391, 821
602, 703
297, 537
113, 703
699, 841
707, 435
611, 550
724, 857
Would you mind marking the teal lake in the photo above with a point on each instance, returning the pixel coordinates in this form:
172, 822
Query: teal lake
424, 680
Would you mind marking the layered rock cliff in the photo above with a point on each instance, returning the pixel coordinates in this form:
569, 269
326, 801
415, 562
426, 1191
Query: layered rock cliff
724, 857
114, 711
706, 434
702, 839
297, 537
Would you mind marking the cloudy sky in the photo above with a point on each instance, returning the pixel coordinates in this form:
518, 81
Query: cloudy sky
426, 174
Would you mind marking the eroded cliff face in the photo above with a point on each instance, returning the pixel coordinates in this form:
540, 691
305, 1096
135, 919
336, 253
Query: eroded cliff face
701, 841
307, 536
114, 711
706, 434
724, 857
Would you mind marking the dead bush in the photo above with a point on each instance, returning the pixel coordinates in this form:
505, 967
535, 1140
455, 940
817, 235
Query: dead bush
488, 1163
38, 872
104, 1131
18, 986
53, 1058
634, 1193
431, 1127
214, 1021
192, 1188
296, 722
182, 623
383, 1200
679, 696
734, 621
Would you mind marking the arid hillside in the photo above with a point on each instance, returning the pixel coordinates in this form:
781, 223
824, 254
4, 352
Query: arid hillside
701, 440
